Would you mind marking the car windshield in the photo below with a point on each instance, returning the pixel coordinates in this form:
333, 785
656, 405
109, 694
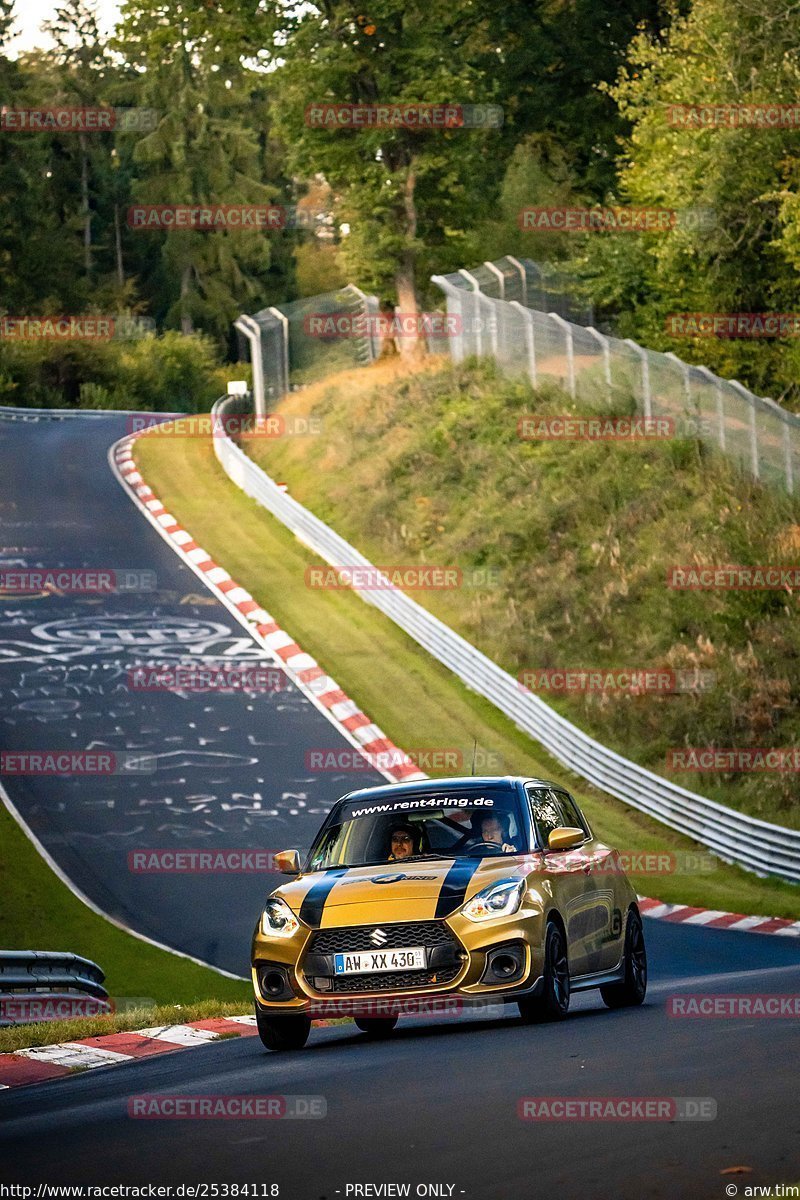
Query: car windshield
419, 826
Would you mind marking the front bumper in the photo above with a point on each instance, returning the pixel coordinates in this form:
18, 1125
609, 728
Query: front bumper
497, 959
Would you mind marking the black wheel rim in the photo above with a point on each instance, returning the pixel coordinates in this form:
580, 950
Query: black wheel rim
637, 956
559, 970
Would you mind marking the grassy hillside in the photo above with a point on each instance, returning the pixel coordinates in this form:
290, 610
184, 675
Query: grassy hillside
415, 700
577, 539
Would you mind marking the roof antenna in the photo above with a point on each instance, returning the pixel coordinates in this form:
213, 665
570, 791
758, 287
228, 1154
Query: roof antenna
474, 752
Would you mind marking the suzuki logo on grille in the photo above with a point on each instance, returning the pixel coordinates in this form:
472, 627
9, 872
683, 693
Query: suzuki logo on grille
378, 937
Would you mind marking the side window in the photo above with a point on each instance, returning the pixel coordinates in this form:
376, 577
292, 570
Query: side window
553, 810
570, 812
546, 813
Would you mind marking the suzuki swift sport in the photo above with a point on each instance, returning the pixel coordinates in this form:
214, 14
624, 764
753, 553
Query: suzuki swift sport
466, 891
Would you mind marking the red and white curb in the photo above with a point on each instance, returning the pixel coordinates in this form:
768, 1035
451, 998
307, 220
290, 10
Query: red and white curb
66, 1058
711, 918
301, 668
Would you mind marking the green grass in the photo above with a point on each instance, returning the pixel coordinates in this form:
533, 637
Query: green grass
39, 912
416, 701
578, 538
20, 1037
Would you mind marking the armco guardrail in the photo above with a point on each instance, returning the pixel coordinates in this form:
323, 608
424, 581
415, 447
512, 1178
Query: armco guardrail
734, 836
38, 972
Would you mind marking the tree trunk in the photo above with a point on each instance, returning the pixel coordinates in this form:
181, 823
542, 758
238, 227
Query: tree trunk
187, 326
85, 210
410, 344
118, 249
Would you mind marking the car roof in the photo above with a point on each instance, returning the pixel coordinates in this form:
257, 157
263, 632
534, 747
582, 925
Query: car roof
462, 782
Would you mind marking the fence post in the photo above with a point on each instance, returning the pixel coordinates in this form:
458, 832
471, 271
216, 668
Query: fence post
530, 341
523, 276
687, 385
453, 296
712, 378
284, 323
252, 331
750, 398
501, 277
567, 329
371, 308
787, 458
647, 399
604, 342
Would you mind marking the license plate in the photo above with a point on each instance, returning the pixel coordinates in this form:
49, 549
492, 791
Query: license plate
367, 961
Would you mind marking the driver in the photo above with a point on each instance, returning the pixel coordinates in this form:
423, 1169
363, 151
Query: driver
494, 828
404, 841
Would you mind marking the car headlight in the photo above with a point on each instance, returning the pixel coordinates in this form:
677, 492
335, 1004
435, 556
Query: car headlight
497, 900
278, 920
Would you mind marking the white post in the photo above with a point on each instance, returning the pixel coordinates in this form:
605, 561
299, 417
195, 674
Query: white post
750, 398
284, 320
567, 328
453, 295
530, 342
523, 276
647, 399
501, 277
252, 331
606, 345
787, 458
719, 401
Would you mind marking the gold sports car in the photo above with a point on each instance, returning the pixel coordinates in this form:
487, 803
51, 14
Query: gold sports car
466, 891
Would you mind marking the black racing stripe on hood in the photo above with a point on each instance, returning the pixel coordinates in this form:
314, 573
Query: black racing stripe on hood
455, 885
317, 894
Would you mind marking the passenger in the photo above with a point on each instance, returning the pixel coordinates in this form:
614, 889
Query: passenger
404, 842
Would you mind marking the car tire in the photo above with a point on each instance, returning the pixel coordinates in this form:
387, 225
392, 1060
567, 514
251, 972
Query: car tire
283, 1032
553, 1003
376, 1027
633, 988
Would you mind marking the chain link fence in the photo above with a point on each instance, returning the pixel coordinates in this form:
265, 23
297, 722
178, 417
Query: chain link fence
504, 310
307, 339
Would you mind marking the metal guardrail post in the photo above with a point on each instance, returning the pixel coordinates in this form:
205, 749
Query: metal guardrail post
567, 329
720, 403
787, 458
252, 331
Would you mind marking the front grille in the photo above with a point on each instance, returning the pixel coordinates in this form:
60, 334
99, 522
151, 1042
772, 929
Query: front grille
394, 981
410, 933
445, 956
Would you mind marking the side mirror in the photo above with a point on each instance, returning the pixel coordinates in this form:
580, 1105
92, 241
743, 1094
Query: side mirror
565, 838
287, 862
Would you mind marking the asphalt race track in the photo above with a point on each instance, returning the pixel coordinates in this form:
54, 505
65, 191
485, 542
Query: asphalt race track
229, 768
437, 1102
